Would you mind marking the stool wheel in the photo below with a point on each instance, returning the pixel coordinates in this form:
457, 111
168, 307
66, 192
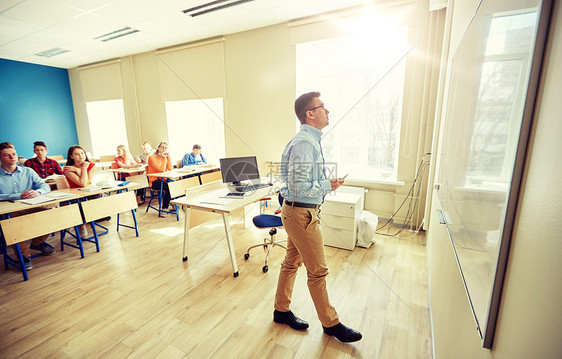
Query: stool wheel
246, 256
265, 269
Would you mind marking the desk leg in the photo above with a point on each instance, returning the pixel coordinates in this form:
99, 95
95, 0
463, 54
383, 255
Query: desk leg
160, 197
187, 213
230, 244
20, 258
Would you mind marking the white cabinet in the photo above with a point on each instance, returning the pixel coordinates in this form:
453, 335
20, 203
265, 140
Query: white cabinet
339, 216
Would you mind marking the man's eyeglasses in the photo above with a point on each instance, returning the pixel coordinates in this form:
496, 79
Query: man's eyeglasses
314, 108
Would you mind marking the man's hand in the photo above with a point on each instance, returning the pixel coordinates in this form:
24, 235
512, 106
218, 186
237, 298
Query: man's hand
30, 193
336, 183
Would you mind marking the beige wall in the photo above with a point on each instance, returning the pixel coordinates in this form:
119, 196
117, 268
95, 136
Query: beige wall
260, 92
530, 316
259, 87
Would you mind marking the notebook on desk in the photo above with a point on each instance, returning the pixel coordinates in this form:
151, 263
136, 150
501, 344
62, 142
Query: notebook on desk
235, 195
105, 184
51, 196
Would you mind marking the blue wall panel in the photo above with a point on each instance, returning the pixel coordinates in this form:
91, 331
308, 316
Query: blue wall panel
36, 105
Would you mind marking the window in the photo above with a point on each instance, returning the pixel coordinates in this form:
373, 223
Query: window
106, 120
196, 121
362, 83
503, 78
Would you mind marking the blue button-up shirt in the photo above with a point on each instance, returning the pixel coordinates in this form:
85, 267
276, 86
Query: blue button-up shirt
12, 185
190, 159
302, 168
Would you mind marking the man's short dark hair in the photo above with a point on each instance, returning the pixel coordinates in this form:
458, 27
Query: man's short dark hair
39, 143
5, 145
196, 146
302, 104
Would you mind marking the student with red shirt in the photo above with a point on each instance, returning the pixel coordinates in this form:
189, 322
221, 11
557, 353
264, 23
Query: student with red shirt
78, 169
41, 164
78, 172
124, 158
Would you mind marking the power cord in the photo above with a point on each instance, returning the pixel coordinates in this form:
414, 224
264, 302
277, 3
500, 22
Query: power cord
423, 165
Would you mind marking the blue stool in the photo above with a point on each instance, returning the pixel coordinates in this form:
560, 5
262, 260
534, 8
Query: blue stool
267, 221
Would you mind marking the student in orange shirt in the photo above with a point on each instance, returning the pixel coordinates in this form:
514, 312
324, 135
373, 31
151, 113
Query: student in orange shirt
160, 162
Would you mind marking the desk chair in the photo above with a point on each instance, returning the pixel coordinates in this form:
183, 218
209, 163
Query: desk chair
62, 183
142, 180
18, 229
177, 189
268, 221
116, 176
108, 206
210, 177
156, 194
107, 158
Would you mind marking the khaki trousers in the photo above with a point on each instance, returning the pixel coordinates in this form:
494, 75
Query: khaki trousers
305, 245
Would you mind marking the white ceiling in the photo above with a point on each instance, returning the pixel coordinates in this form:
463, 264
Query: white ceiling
29, 27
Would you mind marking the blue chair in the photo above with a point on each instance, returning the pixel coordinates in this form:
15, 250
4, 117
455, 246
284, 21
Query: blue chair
268, 221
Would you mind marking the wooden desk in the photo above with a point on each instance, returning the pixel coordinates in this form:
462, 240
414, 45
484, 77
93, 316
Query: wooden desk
124, 172
7, 207
104, 164
176, 174
106, 207
184, 172
26, 226
80, 192
206, 198
139, 169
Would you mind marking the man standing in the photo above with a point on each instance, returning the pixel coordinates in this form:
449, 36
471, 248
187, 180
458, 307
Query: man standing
302, 171
41, 164
21, 183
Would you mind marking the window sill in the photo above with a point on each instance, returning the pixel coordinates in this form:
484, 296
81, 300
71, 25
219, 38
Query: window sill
378, 181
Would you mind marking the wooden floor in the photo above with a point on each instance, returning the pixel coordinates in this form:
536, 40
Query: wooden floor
137, 299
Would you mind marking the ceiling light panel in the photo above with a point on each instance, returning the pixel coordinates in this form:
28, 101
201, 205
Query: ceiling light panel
52, 52
213, 6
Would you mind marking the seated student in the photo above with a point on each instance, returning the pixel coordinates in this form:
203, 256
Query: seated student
22, 183
124, 158
78, 169
78, 172
147, 151
193, 158
41, 164
160, 162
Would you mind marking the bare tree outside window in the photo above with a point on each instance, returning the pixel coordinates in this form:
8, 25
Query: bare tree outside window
362, 85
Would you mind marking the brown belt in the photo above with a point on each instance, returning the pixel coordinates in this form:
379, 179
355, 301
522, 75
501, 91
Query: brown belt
302, 205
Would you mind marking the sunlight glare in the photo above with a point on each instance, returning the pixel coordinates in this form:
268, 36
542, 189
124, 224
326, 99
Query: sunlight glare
168, 231
371, 31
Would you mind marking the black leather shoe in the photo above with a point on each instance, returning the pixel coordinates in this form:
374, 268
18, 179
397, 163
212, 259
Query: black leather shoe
343, 333
290, 319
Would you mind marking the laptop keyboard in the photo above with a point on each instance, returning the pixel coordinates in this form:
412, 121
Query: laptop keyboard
251, 187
